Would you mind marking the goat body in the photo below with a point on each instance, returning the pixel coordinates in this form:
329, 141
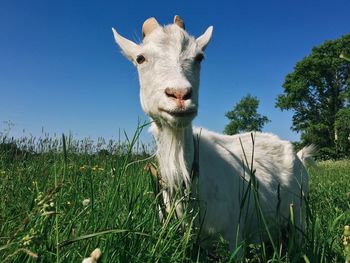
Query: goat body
225, 164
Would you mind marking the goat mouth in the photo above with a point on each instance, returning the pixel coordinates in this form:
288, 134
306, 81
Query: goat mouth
179, 113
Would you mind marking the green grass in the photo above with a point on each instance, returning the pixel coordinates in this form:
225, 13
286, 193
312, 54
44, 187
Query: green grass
42, 216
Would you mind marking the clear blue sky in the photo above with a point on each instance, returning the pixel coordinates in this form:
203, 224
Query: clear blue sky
60, 68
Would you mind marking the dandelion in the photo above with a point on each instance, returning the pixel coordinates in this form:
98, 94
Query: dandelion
86, 202
94, 256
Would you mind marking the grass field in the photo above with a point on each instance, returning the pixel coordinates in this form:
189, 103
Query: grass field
61, 204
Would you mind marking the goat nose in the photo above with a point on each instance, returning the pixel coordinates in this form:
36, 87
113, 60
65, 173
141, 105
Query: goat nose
179, 93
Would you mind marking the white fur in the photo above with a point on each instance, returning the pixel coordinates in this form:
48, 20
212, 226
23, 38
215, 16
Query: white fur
170, 63
306, 155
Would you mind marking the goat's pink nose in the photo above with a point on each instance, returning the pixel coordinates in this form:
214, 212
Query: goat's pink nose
179, 93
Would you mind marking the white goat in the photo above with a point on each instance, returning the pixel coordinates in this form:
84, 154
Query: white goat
168, 63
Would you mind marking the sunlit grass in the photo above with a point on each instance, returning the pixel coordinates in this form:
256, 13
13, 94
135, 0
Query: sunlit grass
62, 204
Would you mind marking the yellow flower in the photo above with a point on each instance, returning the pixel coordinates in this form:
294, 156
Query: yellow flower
82, 168
26, 240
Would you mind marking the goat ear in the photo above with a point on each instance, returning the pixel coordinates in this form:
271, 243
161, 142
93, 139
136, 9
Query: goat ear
129, 48
204, 39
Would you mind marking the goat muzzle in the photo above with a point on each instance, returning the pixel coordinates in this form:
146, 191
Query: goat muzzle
180, 95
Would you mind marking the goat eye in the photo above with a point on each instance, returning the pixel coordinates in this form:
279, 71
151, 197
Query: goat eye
140, 59
199, 58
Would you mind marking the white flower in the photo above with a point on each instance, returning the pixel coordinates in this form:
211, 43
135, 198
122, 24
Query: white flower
86, 202
89, 260
94, 256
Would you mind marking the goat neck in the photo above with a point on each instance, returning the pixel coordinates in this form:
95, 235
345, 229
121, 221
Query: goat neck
175, 154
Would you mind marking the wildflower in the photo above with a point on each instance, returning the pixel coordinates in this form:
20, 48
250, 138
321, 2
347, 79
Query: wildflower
82, 168
52, 204
94, 256
86, 202
26, 240
39, 198
69, 203
95, 167
46, 209
346, 241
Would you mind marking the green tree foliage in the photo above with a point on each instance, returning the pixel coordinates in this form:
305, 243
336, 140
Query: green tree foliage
343, 56
342, 127
244, 116
316, 91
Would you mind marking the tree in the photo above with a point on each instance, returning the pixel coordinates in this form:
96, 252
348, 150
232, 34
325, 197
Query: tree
244, 116
342, 131
316, 90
